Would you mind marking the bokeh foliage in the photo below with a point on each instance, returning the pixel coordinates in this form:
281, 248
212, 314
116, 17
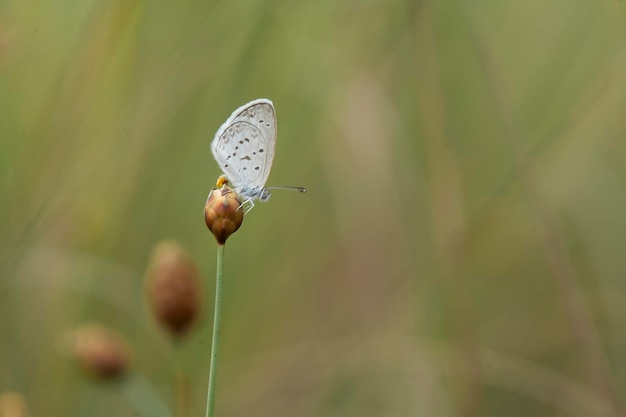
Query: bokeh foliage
460, 249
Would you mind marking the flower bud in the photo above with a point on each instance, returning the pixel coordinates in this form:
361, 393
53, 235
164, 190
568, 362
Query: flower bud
223, 213
173, 287
102, 353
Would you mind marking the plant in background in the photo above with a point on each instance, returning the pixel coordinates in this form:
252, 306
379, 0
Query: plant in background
104, 355
101, 353
173, 289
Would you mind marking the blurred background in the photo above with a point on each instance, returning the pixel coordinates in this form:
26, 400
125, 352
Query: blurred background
460, 250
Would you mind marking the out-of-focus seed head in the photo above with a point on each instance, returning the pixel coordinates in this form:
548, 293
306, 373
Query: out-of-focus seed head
223, 213
13, 404
102, 353
174, 288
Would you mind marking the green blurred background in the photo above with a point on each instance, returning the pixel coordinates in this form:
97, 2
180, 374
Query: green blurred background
460, 251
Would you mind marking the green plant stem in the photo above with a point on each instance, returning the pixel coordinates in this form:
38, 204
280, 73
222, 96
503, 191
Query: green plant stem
217, 315
142, 396
182, 389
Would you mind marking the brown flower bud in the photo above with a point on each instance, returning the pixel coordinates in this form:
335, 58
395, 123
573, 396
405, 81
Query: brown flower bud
173, 287
13, 404
102, 353
223, 213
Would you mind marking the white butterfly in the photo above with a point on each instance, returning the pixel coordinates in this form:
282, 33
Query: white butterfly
244, 149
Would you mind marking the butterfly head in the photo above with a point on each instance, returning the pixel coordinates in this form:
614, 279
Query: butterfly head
264, 195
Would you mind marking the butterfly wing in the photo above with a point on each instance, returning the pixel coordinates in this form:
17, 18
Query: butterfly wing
244, 145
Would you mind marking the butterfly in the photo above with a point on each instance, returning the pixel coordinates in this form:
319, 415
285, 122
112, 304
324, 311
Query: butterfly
244, 148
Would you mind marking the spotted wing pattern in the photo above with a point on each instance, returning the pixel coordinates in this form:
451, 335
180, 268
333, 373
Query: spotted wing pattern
244, 145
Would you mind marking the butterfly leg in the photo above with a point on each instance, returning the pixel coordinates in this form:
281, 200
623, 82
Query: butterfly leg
248, 201
250, 205
246, 205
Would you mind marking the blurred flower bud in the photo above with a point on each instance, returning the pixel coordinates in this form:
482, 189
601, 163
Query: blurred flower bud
102, 353
13, 404
223, 213
174, 288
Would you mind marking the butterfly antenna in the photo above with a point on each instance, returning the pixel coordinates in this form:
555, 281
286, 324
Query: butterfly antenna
288, 187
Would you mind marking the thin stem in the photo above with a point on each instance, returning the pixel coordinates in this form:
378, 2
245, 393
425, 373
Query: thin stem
142, 396
182, 391
217, 315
